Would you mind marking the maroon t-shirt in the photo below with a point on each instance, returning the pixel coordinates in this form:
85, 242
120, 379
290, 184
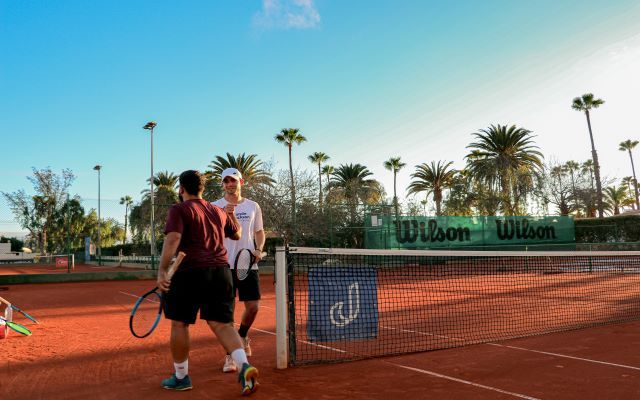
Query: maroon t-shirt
203, 227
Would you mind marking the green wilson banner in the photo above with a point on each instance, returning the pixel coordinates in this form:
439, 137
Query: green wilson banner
385, 232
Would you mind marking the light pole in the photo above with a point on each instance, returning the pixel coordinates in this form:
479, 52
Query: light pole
149, 126
99, 249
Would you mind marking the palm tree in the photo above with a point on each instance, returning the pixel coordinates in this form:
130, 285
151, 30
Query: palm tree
587, 166
289, 137
163, 179
628, 145
319, 158
352, 183
434, 179
615, 198
328, 170
127, 201
394, 164
571, 167
628, 181
586, 103
505, 157
249, 166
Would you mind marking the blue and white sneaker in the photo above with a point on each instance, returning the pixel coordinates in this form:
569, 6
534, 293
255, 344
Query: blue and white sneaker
174, 383
248, 379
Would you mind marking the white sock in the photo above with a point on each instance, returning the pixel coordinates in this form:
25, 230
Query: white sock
182, 369
239, 357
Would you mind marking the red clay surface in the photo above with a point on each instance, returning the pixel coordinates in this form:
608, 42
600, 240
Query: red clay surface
83, 349
30, 269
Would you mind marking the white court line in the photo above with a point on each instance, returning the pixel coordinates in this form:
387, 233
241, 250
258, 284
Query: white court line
399, 365
137, 297
422, 333
565, 356
522, 349
451, 378
422, 371
301, 341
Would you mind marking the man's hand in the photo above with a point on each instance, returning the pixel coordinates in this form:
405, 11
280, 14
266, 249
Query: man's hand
230, 209
163, 282
258, 255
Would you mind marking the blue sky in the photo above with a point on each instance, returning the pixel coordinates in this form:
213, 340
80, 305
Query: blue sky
362, 80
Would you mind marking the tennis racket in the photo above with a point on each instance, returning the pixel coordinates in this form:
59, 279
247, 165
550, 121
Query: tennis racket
16, 327
147, 311
18, 310
244, 261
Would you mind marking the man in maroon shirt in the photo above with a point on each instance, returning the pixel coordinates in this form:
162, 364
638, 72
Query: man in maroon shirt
203, 282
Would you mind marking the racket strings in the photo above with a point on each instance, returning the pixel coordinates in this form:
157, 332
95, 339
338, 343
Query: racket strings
243, 264
146, 315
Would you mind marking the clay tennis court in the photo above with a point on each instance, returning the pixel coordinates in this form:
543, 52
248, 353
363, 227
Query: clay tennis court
32, 269
83, 349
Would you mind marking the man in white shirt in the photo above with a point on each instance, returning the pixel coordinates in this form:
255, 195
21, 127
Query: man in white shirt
249, 216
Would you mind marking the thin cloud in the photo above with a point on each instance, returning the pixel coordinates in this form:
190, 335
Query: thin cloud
287, 14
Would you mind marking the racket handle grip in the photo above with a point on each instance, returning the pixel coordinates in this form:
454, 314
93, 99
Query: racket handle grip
176, 264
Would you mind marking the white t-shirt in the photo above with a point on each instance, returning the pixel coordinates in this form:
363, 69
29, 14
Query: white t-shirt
249, 216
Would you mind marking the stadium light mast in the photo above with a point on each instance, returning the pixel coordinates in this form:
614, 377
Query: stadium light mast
149, 126
99, 249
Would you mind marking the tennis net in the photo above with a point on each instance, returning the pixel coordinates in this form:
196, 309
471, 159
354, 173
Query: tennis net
337, 305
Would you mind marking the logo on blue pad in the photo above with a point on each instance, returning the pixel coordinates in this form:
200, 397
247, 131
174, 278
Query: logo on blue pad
343, 304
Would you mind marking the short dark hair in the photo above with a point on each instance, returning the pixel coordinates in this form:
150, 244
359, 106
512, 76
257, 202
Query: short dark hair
192, 181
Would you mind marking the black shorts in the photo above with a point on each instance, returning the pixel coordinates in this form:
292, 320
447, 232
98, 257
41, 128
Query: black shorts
209, 290
249, 288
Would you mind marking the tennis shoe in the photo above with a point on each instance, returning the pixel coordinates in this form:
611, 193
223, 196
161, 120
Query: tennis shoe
174, 383
248, 379
247, 345
229, 365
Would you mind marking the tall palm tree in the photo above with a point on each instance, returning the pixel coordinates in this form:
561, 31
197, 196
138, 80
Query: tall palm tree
319, 158
250, 166
127, 201
572, 166
586, 103
587, 166
289, 137
505, 157
328, 170
434, 179
616, 197
394, 164
628, 145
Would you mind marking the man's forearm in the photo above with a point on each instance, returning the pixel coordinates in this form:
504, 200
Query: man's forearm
235, 222
169, 248
260, 240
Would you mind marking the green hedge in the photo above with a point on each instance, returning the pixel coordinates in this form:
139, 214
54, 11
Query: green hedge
616, 229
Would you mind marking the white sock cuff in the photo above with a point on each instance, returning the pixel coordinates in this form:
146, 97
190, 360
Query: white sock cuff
182, 369
240, 357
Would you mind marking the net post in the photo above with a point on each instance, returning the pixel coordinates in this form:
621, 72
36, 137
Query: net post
281, 308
